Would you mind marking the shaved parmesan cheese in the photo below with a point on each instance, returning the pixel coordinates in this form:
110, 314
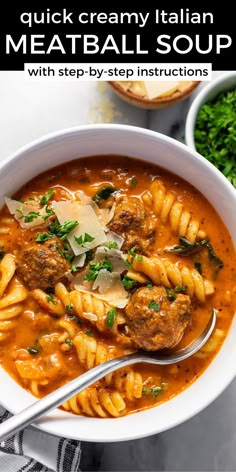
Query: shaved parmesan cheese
79, 280
105, 215
88, 223
79, 261
116, 238
184, 85
109, 285
137, 87
125, 84
13, 206
115, 257
117, 296
83, 199
104, 280
155, 88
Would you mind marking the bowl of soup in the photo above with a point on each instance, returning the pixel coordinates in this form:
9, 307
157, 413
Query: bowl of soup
114, 239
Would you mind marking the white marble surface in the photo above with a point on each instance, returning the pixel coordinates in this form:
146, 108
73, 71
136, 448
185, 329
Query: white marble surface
27, 111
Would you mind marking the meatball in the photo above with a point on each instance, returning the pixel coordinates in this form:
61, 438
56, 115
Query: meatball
129, 215
41, 265
155, 322
133, 222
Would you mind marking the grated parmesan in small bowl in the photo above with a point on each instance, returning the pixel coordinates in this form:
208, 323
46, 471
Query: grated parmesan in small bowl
153, 94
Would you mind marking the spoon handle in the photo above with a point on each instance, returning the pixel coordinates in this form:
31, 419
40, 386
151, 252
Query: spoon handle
59, 396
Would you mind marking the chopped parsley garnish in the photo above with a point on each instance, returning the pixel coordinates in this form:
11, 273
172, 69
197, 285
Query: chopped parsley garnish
45, 199
128, 283
180, 288
69, 308
132, 253
88, 257
29, 217
69, 342
112, 245
82, 239
89, 333
215, 133
42, 237
66, 255
149, 285
129, 264
133, 181
61, 231
104, 193
32, 350
171, 294
50, 298
154, 391
111, 315
95, 267
154, 306
57, 230
49, 212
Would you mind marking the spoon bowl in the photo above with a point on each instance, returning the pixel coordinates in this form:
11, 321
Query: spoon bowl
59, 396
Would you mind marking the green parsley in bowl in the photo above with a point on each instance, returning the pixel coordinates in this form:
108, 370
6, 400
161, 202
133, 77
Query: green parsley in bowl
211, 124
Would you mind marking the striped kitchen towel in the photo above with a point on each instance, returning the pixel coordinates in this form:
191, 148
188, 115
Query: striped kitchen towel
32, 450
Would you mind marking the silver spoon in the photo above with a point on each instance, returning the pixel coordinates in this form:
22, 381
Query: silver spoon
59, 396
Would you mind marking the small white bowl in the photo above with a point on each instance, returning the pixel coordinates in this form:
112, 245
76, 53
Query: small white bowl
152, 147
223, 83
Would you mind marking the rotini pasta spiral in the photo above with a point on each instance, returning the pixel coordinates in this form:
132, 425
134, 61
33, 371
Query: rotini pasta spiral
7, 270
164, 272
126, 381
88, 307
91, 353
51, 305
212, 344
5, 328
97, 402
12, 293
169, 209
34, 385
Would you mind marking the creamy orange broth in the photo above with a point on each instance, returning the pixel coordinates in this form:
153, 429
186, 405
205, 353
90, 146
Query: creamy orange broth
88, 175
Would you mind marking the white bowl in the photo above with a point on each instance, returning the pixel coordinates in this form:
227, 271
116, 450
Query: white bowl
223, 83
176, 157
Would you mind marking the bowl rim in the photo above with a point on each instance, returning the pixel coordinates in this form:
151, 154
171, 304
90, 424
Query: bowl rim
121, 426
207, 93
